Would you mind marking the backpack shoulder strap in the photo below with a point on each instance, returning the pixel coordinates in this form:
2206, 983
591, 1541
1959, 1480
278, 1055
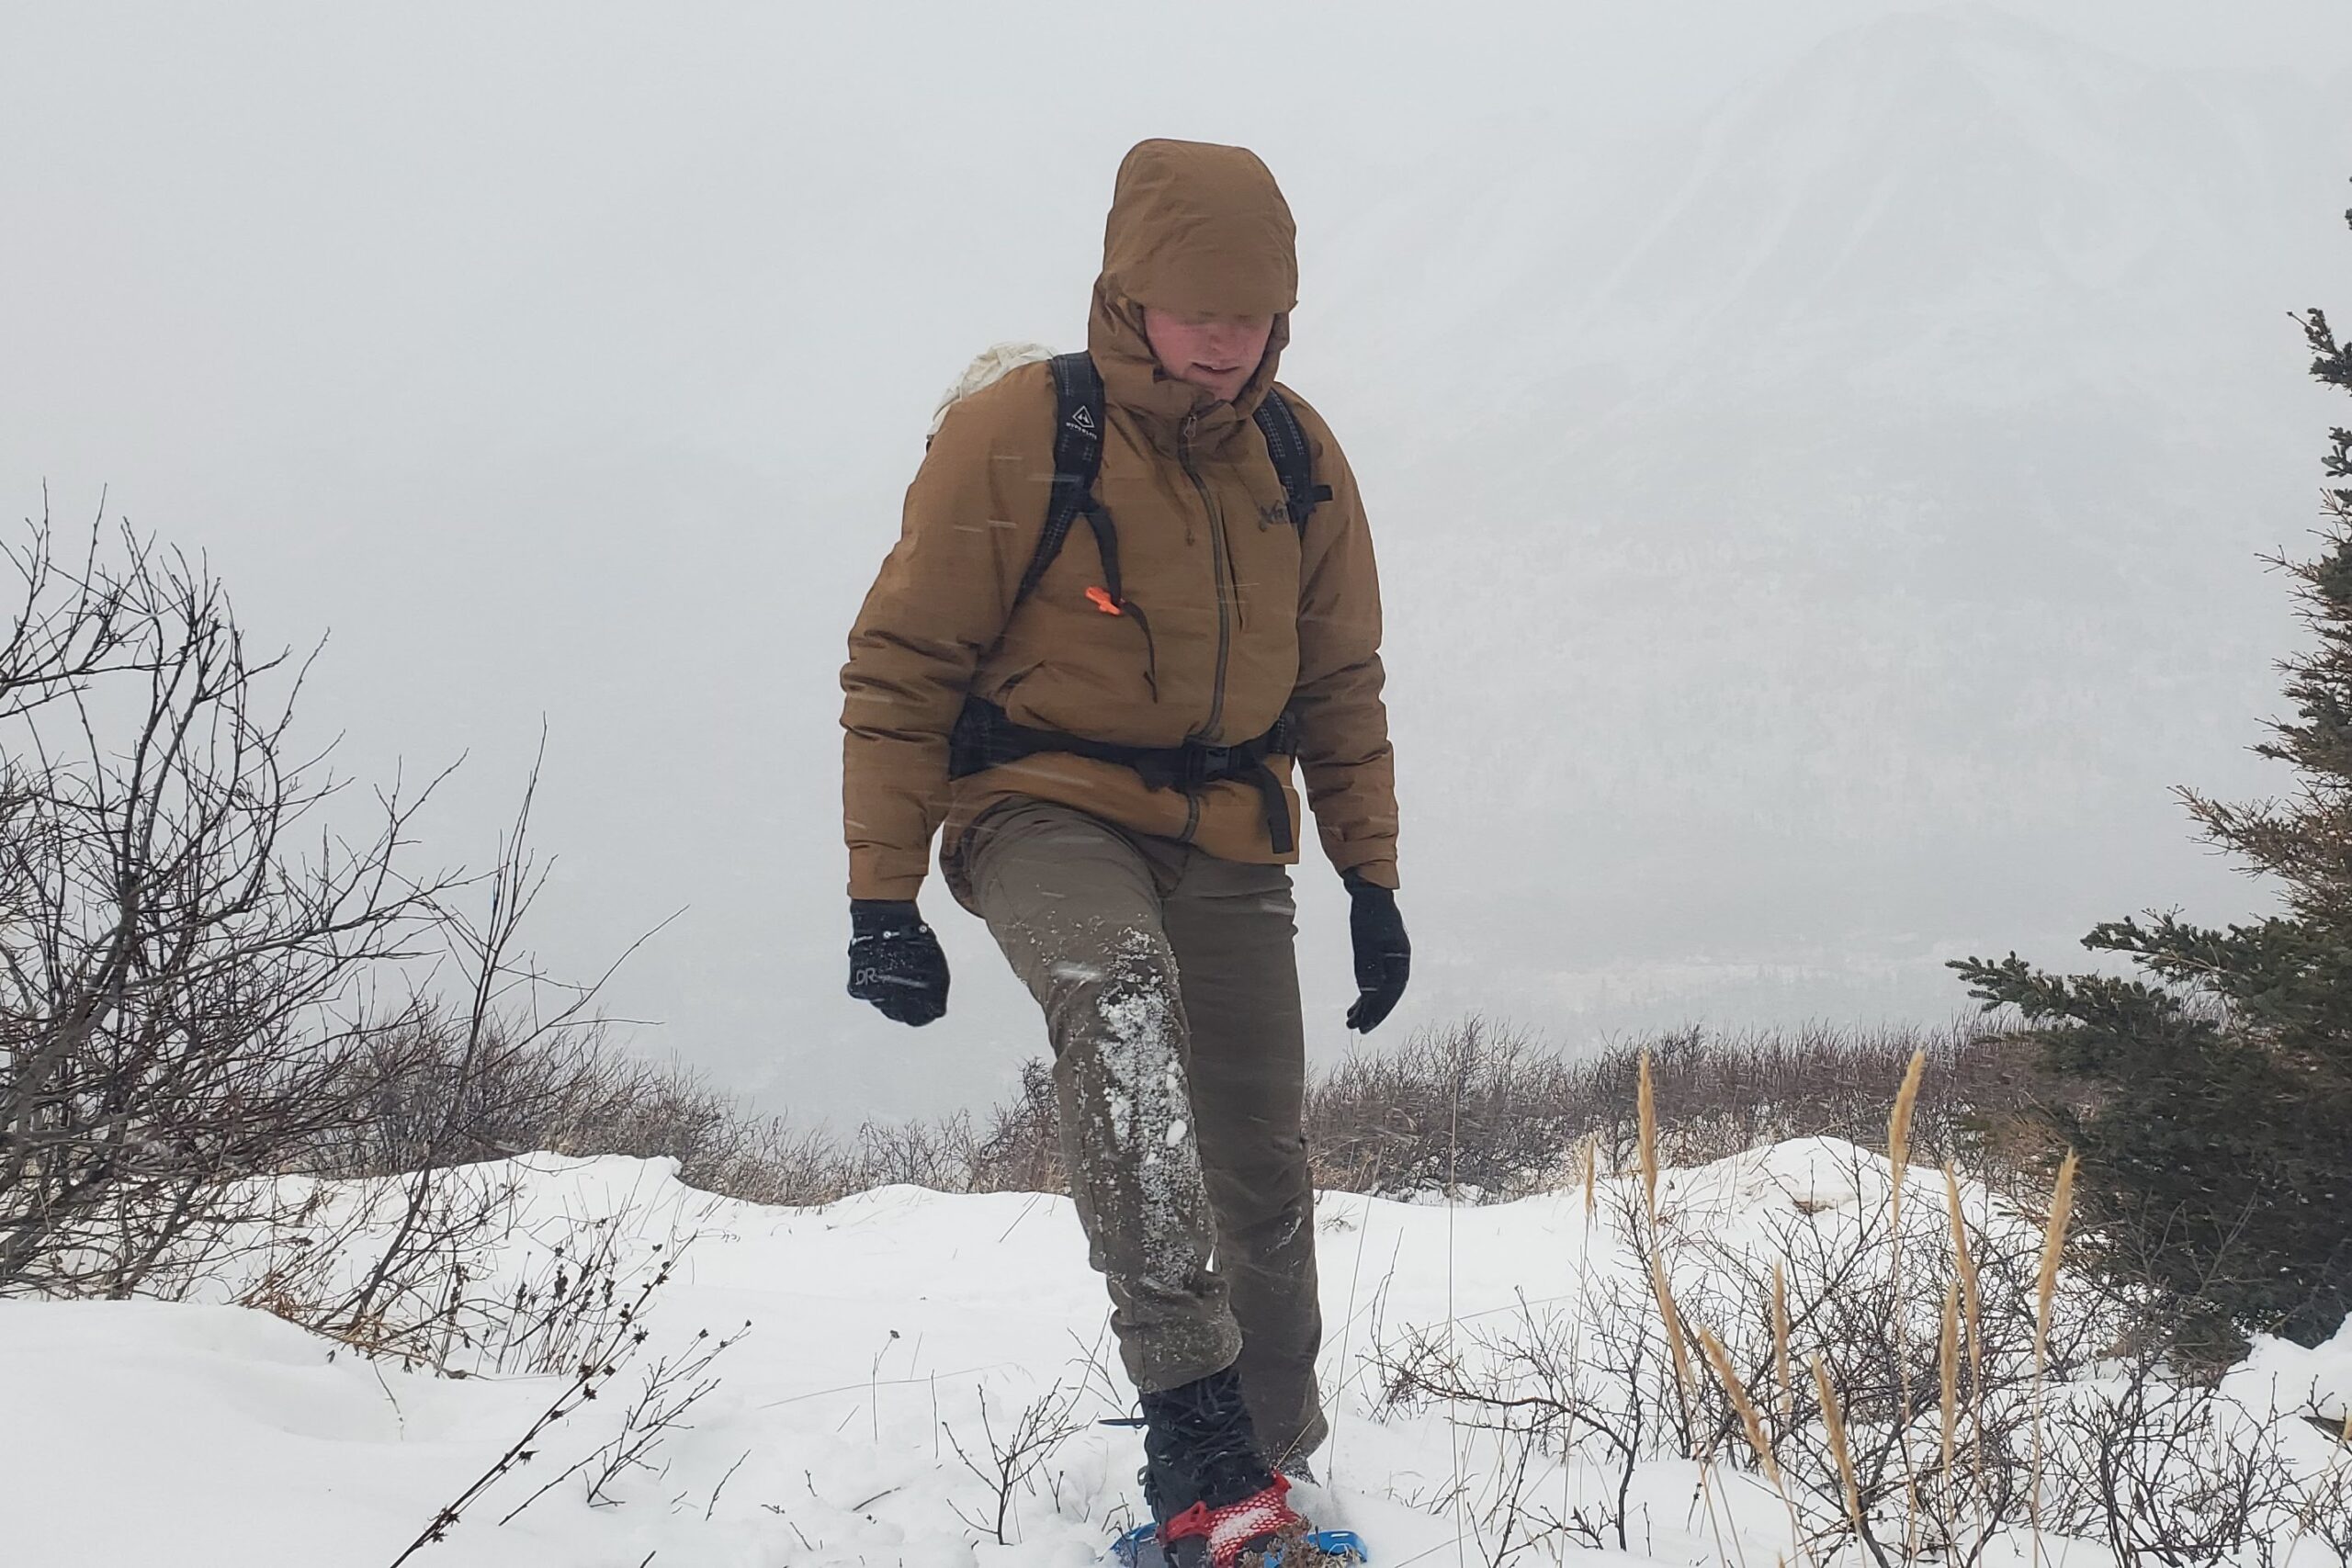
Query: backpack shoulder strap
1294, 459
1078, 457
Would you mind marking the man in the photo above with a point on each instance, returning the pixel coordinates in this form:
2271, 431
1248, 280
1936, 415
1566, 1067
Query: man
1102, 723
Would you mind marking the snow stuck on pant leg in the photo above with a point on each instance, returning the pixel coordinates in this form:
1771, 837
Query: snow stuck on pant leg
1141, 1046
1149, 1106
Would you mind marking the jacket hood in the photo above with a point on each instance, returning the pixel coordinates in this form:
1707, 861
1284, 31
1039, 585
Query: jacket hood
1193, 227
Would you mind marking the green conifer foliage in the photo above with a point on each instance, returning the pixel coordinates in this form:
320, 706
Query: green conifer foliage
2216, 1126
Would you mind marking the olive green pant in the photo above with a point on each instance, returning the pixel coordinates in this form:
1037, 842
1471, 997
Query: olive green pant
1170, 993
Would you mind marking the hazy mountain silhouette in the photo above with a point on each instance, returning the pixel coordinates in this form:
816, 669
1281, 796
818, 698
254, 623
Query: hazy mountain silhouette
1818, 540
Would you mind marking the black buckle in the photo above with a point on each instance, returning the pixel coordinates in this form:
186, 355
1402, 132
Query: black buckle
1205, 763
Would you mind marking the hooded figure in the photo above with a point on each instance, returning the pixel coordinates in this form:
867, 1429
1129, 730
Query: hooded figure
1130, 855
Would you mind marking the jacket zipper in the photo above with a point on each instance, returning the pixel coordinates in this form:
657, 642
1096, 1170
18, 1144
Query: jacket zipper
1217, 571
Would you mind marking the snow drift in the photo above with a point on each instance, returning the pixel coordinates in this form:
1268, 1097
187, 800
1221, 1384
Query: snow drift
897, 1342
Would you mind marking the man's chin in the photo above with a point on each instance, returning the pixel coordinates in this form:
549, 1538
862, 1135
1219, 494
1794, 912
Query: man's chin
1225, 385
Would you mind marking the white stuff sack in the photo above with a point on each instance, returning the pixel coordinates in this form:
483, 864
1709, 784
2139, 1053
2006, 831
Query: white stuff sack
993, 366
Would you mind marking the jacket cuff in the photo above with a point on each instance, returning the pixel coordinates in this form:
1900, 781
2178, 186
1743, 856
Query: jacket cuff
872, 885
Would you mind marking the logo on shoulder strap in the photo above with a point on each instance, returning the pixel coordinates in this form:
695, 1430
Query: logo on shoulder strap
1083, 418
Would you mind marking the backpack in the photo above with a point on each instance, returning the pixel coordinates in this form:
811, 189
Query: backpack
1078, 457
984, 736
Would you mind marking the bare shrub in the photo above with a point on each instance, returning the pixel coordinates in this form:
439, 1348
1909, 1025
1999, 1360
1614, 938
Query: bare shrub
2162, 1471
667, 1394
1468, 1108
1475, 1108
617, 1340
515, 1015
184, 940
1010, 1462
573, 1093
1871, 1325
425, 1104
1022, 1151
1965, 1394
1575, 1398
1578, 1395
764, 1160
475, 1283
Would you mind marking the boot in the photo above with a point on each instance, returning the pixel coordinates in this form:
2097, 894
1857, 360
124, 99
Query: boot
1215, 1497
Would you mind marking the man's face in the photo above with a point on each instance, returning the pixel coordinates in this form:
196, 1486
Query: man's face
1219, 352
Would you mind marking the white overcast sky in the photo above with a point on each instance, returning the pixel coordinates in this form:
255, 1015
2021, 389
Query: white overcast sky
564, 364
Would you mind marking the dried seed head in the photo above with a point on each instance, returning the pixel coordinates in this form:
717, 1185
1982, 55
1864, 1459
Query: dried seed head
1947, 1363
1966, 1259
1720, 1361
1647, 1105
1781, 1340
1675, 1340
2054, 1249
1898, 1128
1836, 1425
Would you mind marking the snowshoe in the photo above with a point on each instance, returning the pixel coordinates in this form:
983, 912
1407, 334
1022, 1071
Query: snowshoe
1142, 1548
1216, 1501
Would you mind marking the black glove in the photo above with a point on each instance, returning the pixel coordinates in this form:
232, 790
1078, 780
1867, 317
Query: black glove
895, 962
1383, 957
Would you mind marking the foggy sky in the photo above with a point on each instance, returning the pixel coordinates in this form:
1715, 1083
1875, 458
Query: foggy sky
564, 364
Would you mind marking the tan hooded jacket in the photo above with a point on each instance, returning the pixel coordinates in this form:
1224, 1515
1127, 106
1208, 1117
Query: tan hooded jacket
1245, 616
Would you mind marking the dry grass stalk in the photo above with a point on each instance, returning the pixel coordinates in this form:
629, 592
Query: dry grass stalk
1947, 1362
1898, 1159
1836, 1425
1717, 1359
1969, 1299
2306, 1516
1898, 1133
2053, 1247
1971, 1304
1647, 1113
1676, 1340
1780, 1341
1754, 1423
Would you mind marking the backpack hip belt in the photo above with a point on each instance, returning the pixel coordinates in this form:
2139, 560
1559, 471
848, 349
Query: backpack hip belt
984, 736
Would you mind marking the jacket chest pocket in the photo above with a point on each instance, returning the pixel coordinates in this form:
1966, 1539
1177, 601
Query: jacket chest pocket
1265, 549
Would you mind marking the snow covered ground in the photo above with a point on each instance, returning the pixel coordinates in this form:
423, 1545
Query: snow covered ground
886, 1332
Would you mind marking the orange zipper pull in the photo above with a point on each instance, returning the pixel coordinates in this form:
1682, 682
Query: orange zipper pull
1102, 599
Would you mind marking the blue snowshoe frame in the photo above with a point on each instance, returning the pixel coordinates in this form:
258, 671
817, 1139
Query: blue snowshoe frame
1140, 1548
